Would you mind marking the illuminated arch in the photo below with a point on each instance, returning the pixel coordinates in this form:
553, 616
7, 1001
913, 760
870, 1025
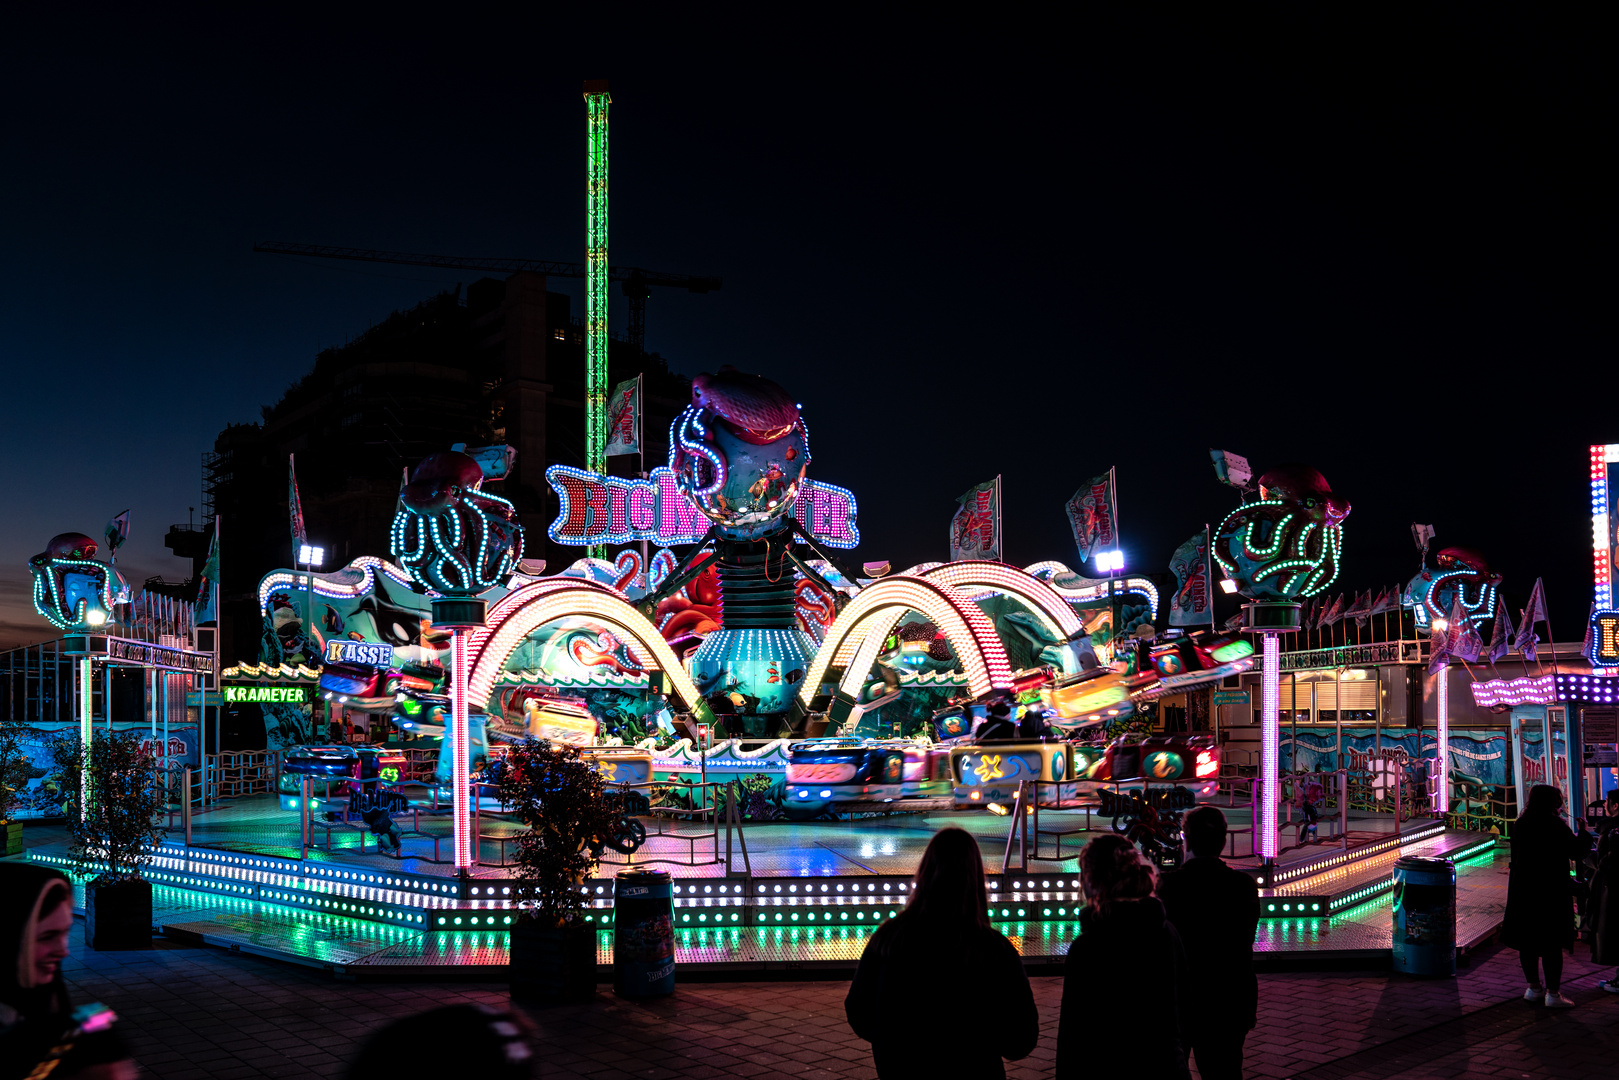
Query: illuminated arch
860, 629
1042, 601
520, 613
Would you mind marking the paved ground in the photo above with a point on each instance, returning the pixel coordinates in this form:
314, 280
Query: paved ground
198, 1012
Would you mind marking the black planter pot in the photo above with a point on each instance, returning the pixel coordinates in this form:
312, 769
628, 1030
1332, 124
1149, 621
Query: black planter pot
118, 916
553, 964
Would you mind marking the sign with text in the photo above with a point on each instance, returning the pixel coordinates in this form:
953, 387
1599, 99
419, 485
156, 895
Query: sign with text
145, 654
1605, 638
260, 694
368, 653
1386, 652
598, 509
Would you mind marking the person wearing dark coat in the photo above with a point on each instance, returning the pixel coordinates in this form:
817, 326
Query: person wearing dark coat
1603, 908
38, 1027
1215, 909
1539, 920
942, 947
1127, 960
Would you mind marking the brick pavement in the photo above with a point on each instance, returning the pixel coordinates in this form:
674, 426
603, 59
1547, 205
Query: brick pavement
198, 1012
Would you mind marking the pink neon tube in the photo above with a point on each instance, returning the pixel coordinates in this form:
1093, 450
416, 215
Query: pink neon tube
1270, 722
460, 803
1441, 798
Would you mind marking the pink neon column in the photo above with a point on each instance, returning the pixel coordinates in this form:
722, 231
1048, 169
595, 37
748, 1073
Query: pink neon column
1270, 724
1441, 798
460, 801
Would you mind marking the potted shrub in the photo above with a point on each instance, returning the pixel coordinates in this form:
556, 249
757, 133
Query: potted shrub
14, 776
114, 839
563, 800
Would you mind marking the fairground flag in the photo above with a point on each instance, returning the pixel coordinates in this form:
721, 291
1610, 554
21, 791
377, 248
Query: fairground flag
624, 419
1422, 536
1360, 608
208, 588
117, 533
1232, 469
1534, 613
1589, 644
1193, 604
1461, 636
1387, 600
300, 536
1501, 634
1335, 612
975, 531
1091, 516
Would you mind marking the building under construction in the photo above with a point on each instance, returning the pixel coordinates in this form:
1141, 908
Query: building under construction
505, 363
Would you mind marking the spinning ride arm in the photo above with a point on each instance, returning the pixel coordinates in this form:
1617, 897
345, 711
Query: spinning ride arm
838, 599
693, 564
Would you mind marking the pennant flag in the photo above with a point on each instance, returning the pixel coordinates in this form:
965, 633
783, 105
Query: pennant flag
1193, 603
1461, 636
1307, 613
1232, 469
975, 531
1387, 600
1589, 644
300, 536
1534, 613
1501, 634
1360, 608
624, 419
1335, 612
208, 587
1422, 536
117, 533
1091, 516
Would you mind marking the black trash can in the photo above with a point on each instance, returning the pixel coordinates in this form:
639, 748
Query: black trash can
643, 934
1425, 916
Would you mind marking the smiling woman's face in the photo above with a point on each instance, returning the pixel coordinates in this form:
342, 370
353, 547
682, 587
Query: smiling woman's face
50, 943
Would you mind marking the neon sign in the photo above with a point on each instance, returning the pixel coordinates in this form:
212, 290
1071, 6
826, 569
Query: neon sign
266, 695
1605, 638
599, 509
359, 652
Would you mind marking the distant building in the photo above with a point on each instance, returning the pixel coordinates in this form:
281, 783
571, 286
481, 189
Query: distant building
506, 364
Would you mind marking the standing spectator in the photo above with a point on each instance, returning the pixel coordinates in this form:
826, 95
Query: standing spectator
943, 939
1126, 954
1215, 909
1603, 911
39, 1030
348, 728
1539, 920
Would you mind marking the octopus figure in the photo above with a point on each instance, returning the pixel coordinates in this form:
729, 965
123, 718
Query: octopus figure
740, 451
449, 534
1457, 573
71, 589
1287, 545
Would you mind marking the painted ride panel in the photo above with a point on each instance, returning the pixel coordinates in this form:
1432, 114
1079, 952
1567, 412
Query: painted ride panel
821, 772
990, 772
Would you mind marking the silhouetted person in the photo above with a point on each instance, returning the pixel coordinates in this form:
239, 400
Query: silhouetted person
1215, 909
1539, 919
942, 946
39, 1029
1126, 962
456, 1040
1604, 903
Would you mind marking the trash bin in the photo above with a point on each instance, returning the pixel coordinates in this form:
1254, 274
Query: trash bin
1425, 916
643, 934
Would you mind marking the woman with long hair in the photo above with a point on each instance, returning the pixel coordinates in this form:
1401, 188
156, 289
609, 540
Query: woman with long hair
1539, 920
942, 948
1128, 956
37, 1022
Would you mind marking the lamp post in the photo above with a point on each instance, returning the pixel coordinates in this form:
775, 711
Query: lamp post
1268, 619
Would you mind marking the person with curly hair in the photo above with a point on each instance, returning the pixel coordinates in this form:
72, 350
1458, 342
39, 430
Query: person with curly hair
1128, 953
1539, 920
943, 939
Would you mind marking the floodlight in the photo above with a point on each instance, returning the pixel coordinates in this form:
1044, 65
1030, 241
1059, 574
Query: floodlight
1228, 586
310, 555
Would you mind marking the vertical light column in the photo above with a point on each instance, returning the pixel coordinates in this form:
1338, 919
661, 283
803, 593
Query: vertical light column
597, 272
460, 785
85, 677
1270, 722
1441, 797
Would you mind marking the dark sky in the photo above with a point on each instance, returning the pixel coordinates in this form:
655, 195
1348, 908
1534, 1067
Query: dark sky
970, 246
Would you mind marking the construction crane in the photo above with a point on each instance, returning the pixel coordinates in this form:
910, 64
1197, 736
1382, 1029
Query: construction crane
635, 282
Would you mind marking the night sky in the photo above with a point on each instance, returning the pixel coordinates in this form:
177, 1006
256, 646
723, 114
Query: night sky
1378, 245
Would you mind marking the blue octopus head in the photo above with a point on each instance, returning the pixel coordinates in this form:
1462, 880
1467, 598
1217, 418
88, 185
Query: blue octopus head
1287, 545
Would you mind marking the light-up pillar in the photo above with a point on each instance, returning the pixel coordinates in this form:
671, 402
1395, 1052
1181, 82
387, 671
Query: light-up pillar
1270, 724
460, 766
597, 272
85, 684
1441, 797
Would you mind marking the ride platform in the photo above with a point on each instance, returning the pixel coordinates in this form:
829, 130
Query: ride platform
790, 897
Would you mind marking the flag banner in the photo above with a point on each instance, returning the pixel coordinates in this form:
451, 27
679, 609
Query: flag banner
1335, 612
624, 419
1387, 600
300, 535
1461, 636
1307, 613
208, 587
1232, 469
1590, 635
1193, 604
117, 533
1090, 515
1501, 634
1360, 608
1422, 536
975, 531
1533, 613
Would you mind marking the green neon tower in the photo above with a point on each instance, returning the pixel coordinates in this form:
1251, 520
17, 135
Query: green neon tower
596, 273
